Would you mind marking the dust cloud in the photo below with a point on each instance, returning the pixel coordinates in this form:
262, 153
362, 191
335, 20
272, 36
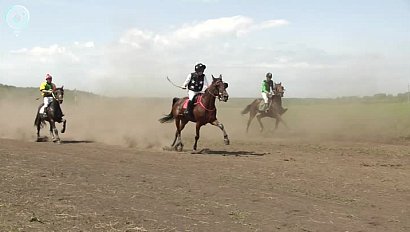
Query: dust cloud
133, 122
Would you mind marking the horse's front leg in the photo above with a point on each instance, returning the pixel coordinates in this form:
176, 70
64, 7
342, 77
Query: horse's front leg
278, 120
259, 120
221, 126
64, 126
53, 128
198, 128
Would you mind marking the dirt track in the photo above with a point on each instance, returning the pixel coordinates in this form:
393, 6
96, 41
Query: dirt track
102, 180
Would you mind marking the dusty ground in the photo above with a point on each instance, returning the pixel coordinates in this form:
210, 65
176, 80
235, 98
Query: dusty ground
111, 174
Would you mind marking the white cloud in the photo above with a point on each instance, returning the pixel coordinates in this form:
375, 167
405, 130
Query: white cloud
139, 60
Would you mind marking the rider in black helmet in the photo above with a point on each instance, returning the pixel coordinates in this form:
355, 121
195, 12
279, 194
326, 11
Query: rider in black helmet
196, 82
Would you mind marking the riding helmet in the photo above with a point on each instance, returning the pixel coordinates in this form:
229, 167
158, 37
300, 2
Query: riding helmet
48, 76
269, 75
199, 67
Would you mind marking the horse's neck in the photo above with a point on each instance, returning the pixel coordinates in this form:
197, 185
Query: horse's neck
276, 98
55, 106
208, 99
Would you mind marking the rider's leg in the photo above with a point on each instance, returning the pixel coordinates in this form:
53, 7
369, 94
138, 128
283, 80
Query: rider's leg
266, 101
191, 95
46, 102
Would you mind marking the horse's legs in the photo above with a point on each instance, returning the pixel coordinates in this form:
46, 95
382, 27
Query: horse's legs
198, 128
259, 120
38, 130
221, 126
180, 126
177, 123
53, 128
64, 125
279, 119
251, 116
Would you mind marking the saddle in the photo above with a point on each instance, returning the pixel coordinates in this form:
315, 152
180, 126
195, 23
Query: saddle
195, 100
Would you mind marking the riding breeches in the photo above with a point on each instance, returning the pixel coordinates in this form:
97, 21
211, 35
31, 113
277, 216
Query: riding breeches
265, 97
191, 94
47, 101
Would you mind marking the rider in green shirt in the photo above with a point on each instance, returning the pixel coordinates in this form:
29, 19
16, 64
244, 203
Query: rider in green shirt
267, 90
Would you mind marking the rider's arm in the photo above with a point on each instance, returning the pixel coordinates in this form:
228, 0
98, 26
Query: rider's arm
43, 88
205, 83
186, 82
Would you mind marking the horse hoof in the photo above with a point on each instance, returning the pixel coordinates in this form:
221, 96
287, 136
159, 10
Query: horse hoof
226, 141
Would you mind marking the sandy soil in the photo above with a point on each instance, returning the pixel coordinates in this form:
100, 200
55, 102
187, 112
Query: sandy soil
111, 174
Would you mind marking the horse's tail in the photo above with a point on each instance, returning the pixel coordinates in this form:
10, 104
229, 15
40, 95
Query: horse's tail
248, 107
170, 116
37, 119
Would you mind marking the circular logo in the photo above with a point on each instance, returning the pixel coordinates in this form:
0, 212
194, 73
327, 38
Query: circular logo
17, 17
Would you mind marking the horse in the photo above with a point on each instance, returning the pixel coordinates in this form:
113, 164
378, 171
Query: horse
275, 108
204, 112
54, 114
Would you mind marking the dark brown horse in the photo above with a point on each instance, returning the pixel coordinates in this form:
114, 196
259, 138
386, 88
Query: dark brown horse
275, 108
54, 114
204, 112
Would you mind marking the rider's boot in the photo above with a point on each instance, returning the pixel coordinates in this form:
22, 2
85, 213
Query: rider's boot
266, 107
188, 110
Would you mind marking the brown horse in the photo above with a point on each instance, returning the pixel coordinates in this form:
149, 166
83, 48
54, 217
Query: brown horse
204, 112
54, 114
275, 108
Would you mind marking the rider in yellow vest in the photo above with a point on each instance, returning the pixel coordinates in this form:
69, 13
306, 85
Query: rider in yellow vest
46, 89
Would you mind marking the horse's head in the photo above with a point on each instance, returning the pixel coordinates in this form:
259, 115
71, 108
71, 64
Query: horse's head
279, 89
218, 88
58, 94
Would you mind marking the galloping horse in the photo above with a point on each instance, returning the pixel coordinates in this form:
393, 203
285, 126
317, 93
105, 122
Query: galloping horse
203, 112
54, 114
275, 109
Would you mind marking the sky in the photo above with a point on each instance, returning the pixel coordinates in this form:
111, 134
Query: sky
321, 48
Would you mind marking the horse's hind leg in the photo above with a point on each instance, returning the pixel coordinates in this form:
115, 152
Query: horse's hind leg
38, 131
221, 126
260, 122
180, 126
251, 116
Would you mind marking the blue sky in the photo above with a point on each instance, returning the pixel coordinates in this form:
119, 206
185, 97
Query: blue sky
315, 48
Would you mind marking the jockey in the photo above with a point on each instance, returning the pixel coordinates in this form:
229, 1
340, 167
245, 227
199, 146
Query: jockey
267, 90
196, 82
47, 89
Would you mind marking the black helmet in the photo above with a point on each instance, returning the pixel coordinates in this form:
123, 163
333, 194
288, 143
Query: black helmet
269, 75
199, 67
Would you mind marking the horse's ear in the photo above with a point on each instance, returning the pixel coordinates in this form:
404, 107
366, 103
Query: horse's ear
220, 76
62, 87
213, 78
226, 85
280, 83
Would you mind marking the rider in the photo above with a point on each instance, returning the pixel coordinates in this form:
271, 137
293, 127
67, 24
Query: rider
196, 82
267, 90
47, 89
